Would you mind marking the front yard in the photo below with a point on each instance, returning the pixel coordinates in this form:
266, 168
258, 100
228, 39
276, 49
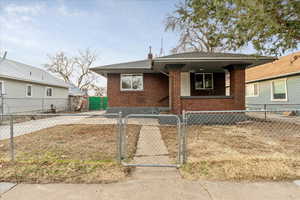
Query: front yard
254, 151
75, 153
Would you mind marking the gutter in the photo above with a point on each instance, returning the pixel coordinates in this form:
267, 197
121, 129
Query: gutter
213, 59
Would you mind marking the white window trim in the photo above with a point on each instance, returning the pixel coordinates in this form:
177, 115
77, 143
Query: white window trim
212, 84
27, 90
286, 93
258, 89
122, 89
51, 91
2, 89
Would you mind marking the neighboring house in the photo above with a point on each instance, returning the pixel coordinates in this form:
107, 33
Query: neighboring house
29, 89
276, 84
75, 91
185, 81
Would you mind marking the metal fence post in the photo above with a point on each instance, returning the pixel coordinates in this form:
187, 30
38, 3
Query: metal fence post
12, 146
265, 108
124, 140
179, 138
184, 130
119, 138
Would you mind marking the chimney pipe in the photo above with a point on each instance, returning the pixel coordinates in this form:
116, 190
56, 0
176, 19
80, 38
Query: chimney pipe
150, 56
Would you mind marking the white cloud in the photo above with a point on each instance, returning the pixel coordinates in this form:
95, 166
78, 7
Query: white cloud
13, 9
17, 27
66, 11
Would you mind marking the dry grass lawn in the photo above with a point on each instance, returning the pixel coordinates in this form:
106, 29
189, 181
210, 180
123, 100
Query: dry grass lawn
254, 151
66, 153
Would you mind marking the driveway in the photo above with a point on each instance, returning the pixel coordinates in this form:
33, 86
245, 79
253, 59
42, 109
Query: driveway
36, 125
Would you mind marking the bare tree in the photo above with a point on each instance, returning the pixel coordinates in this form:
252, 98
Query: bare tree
202, 36
98, 91
76, 69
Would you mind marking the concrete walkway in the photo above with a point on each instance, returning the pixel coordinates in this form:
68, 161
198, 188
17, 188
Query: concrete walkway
152, 150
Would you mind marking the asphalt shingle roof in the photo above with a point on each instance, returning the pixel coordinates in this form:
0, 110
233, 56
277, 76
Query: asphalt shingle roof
188, 55
146, 64
140, 64
19, 71
286, 65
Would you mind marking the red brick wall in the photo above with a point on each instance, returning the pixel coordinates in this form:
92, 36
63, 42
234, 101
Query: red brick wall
175, 82
237, 91
156, 89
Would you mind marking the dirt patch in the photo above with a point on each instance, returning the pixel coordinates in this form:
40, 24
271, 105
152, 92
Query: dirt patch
82, 153
254, 151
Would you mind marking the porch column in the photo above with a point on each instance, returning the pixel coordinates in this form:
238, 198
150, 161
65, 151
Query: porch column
237, 86
175, 82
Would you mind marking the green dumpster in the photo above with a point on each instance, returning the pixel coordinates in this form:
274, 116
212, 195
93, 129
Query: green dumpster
94, 103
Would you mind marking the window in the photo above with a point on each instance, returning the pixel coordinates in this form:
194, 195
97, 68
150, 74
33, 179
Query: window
227, 83
252, 90
203, 81
1, 88
29, 90
49, 92
132, 82
279, 91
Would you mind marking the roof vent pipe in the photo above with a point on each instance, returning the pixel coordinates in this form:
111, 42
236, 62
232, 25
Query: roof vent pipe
4, 56
150, 56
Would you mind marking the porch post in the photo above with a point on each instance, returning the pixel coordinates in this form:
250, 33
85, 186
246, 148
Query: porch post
237, 86
175, 84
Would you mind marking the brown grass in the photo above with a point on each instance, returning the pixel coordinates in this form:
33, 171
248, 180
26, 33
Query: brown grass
255, 151
66, 153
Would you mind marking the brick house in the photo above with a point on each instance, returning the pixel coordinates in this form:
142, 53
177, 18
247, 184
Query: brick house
185, 81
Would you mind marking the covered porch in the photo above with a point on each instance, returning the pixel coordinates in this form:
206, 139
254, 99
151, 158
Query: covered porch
216, 83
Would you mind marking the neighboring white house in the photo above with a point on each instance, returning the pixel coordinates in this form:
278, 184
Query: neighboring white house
24, 88
274, 85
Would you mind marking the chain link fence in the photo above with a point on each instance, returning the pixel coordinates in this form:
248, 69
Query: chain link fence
61, 148
242, 145
93, 148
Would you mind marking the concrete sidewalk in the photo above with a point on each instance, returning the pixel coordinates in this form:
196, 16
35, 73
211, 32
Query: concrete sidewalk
162, 189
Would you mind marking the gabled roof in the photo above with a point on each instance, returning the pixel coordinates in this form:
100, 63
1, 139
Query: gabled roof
285, 66
206, 58
19, 71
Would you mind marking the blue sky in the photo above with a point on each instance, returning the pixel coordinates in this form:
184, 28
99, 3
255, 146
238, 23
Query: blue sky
118, 30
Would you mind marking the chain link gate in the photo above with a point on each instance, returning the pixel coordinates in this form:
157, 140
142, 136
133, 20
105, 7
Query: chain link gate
153, 146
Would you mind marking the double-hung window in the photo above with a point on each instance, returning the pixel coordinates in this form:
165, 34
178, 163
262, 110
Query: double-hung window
29, 90
49, 91
132, 82
204, 81
252, 90
279, 90
1, 88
